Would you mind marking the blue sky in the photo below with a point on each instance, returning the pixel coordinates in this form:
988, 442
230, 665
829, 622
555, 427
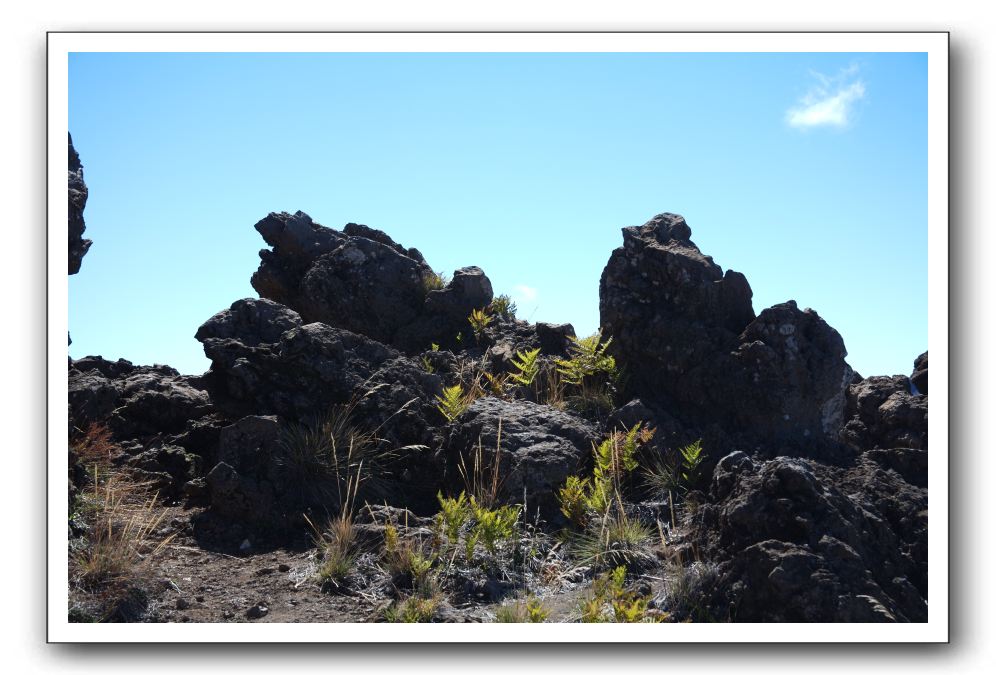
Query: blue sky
806, 172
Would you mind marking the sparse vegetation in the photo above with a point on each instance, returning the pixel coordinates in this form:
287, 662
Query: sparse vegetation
609, 601
531, 610
492, 526
452, 516
434, 282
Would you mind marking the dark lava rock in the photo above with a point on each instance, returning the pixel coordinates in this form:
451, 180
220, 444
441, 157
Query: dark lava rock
799, 541
919, 377
363, 281
685, 334
134, 401
538, 449
882, 413
305, 370
78, 246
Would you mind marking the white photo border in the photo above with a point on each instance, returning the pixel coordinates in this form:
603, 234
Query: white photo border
934, 44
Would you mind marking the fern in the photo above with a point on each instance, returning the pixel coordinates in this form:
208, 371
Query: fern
427, 365
452, 515
574, 498
494, 525
503, 306
527, 365
479, 320
452, 403
587, 358
691, 462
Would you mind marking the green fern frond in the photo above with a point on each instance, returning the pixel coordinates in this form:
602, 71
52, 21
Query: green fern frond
527, 365
452, 403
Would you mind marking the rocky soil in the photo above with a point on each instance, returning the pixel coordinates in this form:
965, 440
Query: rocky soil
315, 472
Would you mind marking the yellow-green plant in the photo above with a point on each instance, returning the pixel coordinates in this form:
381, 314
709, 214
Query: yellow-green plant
497, 383
427, 365
434, 282
530, 611
609, 601
479, 320
615, 540
452, 515
452, 403
691, 463
586, 357
493, 526
574, 497
527, 366
503, 306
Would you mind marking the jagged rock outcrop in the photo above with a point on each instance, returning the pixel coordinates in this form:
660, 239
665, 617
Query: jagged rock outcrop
538, 448
161, 422
799, 541
267, 362
919, 376
363, 281
686, 335
881, 413
134, 401
78, 246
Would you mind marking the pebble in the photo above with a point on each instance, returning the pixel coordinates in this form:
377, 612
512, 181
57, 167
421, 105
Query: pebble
257, 611
283, 567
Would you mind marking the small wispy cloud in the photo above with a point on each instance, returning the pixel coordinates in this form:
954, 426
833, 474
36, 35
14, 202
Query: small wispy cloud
828, 103
523, 294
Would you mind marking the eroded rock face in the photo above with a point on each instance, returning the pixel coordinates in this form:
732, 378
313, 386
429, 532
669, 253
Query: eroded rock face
362, 280
266, 362
686, 335
539, 448
78, 246
919, 377
881, 413
800, 541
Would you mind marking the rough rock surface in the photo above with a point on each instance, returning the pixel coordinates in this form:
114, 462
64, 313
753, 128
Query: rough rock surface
134, 401
919, 377
538, 449
686, 335
362, 280
882, 413
799, 541
78, 246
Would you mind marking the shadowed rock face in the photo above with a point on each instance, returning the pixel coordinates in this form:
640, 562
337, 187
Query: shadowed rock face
686, 335
78, 246
361, 280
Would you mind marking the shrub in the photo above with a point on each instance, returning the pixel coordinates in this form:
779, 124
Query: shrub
691, 463
434, 282
527, 366
414, 609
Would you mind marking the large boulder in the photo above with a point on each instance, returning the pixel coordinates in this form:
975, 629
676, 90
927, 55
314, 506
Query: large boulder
799, 541
363, 281
78, 246
534, 448
266, 362
685, 334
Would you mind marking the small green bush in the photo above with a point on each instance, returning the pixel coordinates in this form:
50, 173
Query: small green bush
492, 526
530, 611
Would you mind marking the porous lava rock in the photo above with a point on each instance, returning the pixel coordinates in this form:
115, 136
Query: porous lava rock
534, 448
686, 335
800, 541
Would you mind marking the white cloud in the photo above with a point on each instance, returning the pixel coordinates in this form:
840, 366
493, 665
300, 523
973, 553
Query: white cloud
830, 102
523, 294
